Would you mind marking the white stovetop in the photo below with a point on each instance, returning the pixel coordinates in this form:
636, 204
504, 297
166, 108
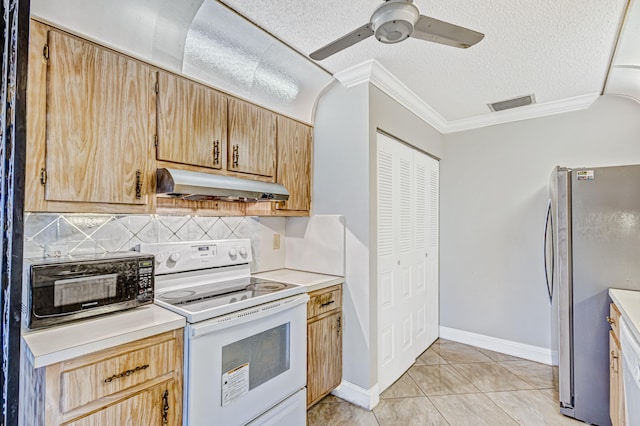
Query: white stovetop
56, 344
313, 281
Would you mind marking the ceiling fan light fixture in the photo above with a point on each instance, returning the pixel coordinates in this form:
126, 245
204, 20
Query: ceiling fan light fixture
393, 21
394, 31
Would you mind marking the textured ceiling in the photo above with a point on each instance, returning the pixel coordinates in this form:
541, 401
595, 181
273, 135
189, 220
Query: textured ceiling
554, 49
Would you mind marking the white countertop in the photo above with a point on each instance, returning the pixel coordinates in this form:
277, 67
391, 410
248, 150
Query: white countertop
60, 343
311, 280
628, 302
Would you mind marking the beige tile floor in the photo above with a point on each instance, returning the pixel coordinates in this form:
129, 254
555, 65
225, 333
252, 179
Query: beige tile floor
456, 384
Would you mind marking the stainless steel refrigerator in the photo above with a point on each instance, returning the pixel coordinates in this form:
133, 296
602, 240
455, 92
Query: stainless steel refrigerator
592, 242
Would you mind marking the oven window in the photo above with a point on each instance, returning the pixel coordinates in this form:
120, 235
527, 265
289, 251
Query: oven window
87, 289
250, 362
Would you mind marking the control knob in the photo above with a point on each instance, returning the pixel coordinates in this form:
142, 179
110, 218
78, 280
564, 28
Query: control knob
160, 258
174, 257
233, 252
243, 251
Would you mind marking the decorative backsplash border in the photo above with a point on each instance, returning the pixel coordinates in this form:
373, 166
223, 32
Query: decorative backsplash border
48, 234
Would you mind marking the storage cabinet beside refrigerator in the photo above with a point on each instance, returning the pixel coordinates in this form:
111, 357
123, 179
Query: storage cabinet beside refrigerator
592, 242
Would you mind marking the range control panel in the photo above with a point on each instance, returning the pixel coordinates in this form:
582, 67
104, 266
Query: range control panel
192, 255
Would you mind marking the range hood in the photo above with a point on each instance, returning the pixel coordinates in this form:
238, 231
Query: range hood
190, 185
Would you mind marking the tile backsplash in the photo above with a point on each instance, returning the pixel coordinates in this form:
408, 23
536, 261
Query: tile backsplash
50, 234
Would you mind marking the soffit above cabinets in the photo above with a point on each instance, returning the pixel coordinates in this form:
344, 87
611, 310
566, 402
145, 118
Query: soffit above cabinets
203, 40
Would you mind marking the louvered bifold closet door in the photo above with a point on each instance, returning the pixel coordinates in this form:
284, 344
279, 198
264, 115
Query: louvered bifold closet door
396, 287
407, 256
425, 250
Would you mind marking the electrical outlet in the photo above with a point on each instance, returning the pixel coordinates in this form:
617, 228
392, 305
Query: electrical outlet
276, 241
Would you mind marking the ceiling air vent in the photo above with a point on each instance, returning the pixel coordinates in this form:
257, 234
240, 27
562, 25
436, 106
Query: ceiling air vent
512, 103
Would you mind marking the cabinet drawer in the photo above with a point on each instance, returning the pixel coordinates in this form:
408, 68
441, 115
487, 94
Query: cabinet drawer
85, 382
324, 300
614, 320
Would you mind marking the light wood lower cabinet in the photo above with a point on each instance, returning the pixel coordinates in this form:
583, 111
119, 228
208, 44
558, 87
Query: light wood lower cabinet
616, 384
324, 343
139, 383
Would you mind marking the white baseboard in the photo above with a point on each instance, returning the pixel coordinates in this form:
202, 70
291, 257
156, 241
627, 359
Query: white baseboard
365, 398
521, 350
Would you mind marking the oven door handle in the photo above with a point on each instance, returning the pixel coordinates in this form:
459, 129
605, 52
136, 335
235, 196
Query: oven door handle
246, 315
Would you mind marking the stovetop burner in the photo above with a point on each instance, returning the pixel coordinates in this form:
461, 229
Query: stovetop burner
177, 294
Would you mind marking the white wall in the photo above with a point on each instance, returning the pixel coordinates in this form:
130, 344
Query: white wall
344, 182
493, 204
341, 186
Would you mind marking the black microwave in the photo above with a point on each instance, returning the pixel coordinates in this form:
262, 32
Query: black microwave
57, 290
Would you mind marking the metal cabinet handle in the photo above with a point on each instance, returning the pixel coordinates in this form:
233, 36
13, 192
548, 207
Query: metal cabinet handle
327, 303
165, 407
235, 156
125, 373
339, 321
216, 152
138, 184
610, 320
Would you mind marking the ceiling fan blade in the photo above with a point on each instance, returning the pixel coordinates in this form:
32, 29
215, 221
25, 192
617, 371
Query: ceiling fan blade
343, 42
431, 29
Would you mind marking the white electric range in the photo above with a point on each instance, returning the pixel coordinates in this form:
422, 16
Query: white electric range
245, 339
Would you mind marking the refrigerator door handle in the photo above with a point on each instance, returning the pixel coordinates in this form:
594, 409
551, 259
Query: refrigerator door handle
549, 268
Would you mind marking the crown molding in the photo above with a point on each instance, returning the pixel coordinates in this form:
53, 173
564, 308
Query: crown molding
575, 103
373, 73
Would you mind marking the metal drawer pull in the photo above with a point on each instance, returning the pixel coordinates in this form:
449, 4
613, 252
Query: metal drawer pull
327, 303
126, 373
610, 320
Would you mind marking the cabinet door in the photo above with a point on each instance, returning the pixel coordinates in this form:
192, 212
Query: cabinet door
100, 124
252, 139
294, 163
616, 391
324, 356
192, 122
158, 405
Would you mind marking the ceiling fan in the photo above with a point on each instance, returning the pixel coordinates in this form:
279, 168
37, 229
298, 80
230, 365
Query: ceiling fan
396, 20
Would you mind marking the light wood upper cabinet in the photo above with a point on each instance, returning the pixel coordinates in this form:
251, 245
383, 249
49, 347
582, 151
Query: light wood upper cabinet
91, 126
294, 163
100, 124
192, 123
252, 139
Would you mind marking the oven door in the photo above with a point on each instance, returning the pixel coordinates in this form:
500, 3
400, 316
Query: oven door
240, 365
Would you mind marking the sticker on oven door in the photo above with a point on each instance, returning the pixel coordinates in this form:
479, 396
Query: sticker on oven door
585, 174
235, 383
